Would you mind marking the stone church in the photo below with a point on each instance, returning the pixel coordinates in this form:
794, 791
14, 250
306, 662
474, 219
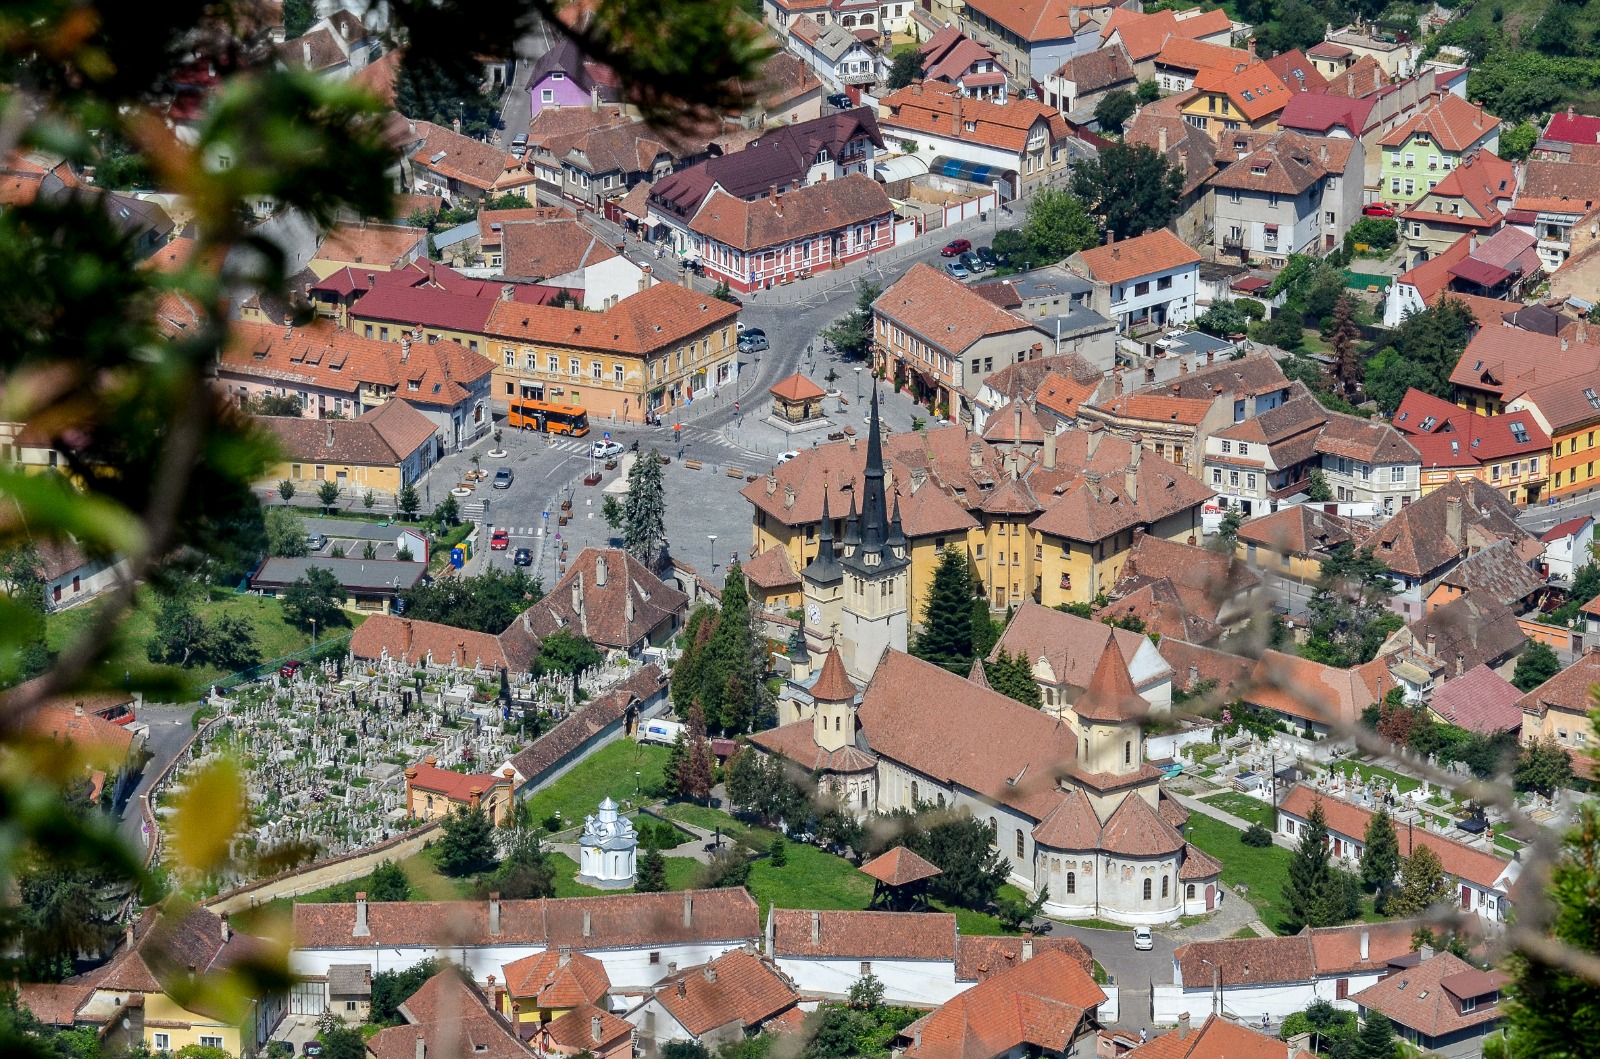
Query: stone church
1073, 803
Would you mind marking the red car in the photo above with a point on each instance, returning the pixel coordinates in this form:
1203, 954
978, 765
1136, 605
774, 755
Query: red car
955, 248
500, 540
1379, 209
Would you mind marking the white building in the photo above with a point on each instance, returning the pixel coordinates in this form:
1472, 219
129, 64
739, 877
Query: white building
1567, 546
1143, 283
912, 953
607, 848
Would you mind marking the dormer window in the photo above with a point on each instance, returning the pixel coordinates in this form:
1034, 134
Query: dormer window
970, 126
822, 156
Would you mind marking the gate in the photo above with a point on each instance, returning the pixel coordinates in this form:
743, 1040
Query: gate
308, 998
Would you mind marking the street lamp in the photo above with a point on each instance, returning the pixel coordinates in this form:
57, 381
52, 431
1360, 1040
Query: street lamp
1216, 985
858, 384
313, 632
712, 537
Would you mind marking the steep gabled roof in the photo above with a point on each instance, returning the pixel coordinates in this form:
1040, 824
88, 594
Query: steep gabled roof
1451, 122
1039, 1005
1143, 255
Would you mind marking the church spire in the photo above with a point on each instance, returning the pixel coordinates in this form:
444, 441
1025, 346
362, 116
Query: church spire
897, 535
874, 507
825, 567
852, 529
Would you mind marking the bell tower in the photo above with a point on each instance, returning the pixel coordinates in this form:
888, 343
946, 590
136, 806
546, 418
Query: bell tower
876, 570
823, 584
834, 720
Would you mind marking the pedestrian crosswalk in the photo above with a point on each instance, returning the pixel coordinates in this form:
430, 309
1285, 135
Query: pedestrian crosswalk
667, 442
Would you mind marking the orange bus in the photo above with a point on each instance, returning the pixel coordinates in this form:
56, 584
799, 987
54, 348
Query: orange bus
527, 413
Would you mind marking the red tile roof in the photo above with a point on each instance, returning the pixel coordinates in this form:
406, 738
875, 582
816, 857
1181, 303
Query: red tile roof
457, 786
1255, 91
552, 979
1144, 255
939, 109
1572, 128
413, 641
734, 988
899, 867
448, 1015
1039, 1005
383, 246
1480, 700
813, 210
1216, 1038
799, 933
796, 388
1453, 123
982, 956
1035, 20
771, 569
943, 312
1420, 998
832, 685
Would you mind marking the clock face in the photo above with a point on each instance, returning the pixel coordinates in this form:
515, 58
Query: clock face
815, 613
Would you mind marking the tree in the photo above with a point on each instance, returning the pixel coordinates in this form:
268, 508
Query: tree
22, 606
1057, 225
1114, 110
778, 851
328, 494
230, 643
179, 632
388, 883
768, 787
524, 872
866, 992
1422, 885
409, 502
1552, 1007
644, 521
446, 90
652, 874
1343, 338
695, 775
447, 513
271, 404
946, 636
316, 596
1376, 1039
1228, 531
1517, 143
1536, 665
1421, 353
964, 849
1149, 91
1297, 25
298, 16
488, 602
727, 673
985, 630
1349, 614
205, 1051
728, 866
906, 68
467, 846
286, 533
1317, 488
63, 910
1012, 245
611, 511
286, 490
1130, 187
1309, 887
851, 334
564, 651
1380, 857
1232, 317
1012, 676
1543, 766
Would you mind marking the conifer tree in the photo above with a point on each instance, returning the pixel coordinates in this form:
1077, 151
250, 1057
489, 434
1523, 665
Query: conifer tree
1380, 859
1308, 888
652, 877
1011, 676
946, 637
1422, 884
644, 512
695, 775
1347, 358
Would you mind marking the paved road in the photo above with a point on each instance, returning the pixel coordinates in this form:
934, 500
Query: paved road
170, 729
516, 108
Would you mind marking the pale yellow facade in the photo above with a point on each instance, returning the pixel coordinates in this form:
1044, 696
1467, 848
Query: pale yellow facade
169, 1026
1263, 559
309, 475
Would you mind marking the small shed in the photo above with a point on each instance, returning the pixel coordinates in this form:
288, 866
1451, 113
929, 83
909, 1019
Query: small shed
900, 881
350, 991
797, 399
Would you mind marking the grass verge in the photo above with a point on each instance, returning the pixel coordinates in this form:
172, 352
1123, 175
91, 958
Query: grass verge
1263, 870
1251, 810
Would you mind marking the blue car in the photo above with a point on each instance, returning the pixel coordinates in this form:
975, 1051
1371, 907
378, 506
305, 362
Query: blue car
956, 270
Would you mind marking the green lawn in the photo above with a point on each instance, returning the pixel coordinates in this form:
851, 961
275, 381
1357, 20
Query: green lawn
1251, 810
704, 817
608, 771
275, 638
1262, 870
1367, 771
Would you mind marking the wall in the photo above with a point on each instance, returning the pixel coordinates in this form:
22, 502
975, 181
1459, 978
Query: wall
303, 472
904, 981
1160, 746
636, 968
159, 1009
92, 578
322, 874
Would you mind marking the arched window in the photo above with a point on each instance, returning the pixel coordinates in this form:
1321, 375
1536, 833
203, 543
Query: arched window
1019, 842
1127, 752
1086, 748
1072, 882
1147, 889
914, 798
941, 801
1189, 892
836, 724
1164, 887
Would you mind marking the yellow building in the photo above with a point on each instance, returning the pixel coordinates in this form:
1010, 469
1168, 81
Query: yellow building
1560, 708
1225, 101
383, 450
773, 583
369, 247
1292, 542
544, 987
1050, 523
148, 991
433, 793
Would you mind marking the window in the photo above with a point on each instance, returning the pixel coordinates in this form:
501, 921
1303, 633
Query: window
1216, 476
1397, 473
866, 967
1244, 448
1469, 1003
547, 95
1189, 892
573, 366
1072, 882
596, 370
1141, 289
1147, 888
552, 363
1020, 841
1164, 283
1227, 446
210, 1042
349, 1005
163, 1041
616, 373
914, 798
655, 957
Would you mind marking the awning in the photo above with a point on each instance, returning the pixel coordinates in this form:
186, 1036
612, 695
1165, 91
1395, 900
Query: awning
901, 167
1273, 228
972, 172
1480, 272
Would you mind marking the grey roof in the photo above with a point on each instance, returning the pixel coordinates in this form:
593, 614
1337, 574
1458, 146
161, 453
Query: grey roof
349, 527
349, 979
1048, 282
459, 234
1076, 322
1196, 342
372, 574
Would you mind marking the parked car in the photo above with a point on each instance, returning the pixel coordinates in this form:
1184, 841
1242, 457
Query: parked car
753, 341
523, 557
519, 144
785, 457
500, 540
604, 450
290, 668
1143, 940
956, 270
973, 263
987, 255
1379, 209
955, 248
503, 478
311, 1048
840, 100
315, 542
733, 299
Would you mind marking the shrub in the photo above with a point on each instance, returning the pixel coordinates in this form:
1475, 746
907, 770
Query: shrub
1257, 836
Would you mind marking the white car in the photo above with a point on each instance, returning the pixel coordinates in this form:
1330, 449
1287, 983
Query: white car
785, 457
604, 450
1143, 940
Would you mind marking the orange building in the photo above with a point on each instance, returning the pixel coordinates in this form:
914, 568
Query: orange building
432, 793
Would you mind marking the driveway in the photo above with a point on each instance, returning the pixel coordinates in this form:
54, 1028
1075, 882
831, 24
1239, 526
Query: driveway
1131, 970
170, 728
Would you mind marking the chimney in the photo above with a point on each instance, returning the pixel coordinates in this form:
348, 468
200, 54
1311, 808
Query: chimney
1426, 952
1130, 480
627, 608
599, 571
683, 988
1095, 430
494, 915
1050, 450
975, 455
1350, 84
508, 291
1366, 946
1183, 1025
711, 973
588, 925
405, 348
305, 52
455, 126
1433, 644
330, 435
772, 484
688, 909
1461, 664
1027, 948
852, 442
563, 955
816, 928
672, 967
227, 931
594, 97
1453, 528
361, 930
1161, 140
594, 1028
788, 494
1194, 676
1250, 46
422, 1046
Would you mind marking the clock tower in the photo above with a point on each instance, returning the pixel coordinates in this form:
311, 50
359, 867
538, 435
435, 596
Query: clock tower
876, 568
823, 584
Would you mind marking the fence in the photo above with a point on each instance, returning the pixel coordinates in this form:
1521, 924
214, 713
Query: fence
316, 652
1364, 280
